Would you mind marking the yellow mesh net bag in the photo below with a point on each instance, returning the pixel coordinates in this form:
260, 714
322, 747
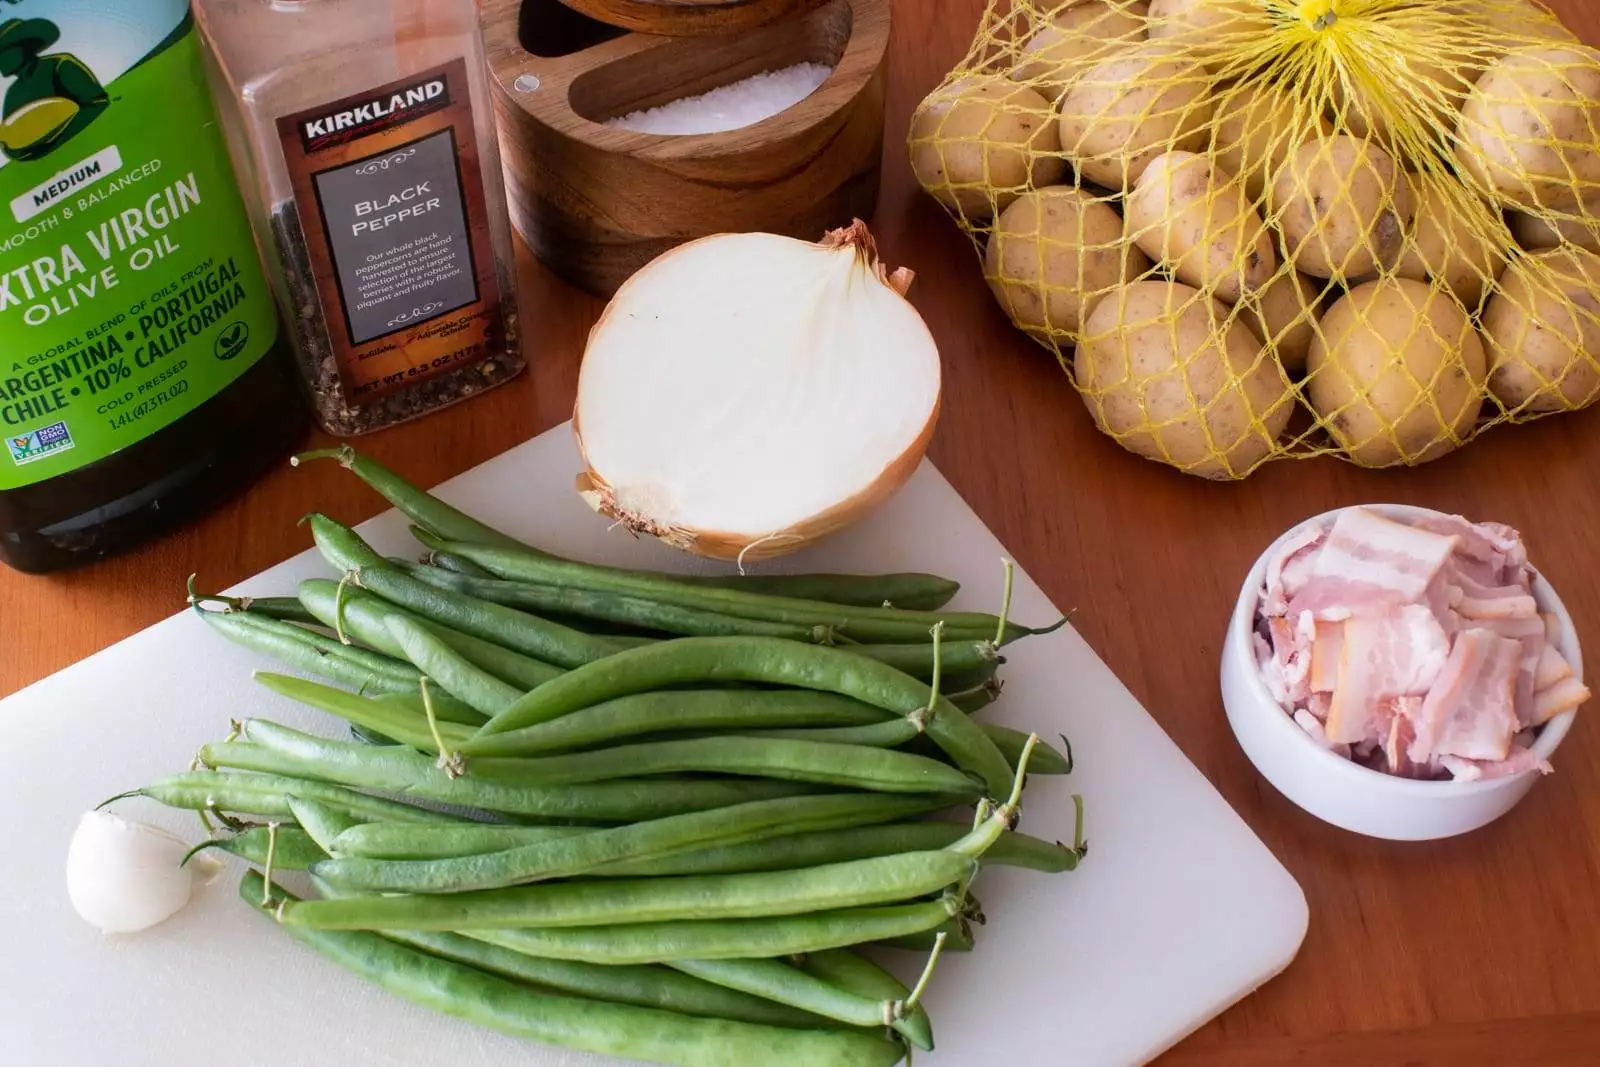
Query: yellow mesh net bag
1254, 229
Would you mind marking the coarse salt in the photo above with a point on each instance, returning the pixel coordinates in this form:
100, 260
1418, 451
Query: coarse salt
731, 107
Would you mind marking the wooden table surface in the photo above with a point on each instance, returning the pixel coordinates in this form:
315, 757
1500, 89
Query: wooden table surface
1479, 951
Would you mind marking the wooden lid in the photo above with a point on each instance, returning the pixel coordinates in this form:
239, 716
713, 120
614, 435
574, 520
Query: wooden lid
691, 18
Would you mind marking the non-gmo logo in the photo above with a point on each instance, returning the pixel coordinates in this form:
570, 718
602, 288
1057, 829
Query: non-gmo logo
37, 444
231, 341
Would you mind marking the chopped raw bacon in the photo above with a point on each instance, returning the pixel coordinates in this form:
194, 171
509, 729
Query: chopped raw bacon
1384, 658
1290, 570
1326, 648
1470, 711
1364, 548
1553, 667
1416, 648
1564, 696
1313, 726
1520, 762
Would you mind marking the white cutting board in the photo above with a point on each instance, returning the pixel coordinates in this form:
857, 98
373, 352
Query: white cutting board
1178, 911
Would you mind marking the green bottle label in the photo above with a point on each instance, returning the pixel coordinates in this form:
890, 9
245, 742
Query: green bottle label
130, 292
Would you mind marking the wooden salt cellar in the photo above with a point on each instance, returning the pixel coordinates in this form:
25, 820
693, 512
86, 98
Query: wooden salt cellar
596, 203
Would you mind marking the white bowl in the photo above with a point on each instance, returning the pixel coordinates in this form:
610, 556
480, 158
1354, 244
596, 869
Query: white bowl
1347, 794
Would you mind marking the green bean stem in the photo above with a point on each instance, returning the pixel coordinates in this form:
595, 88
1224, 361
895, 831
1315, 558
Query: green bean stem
864, 624
581, 854
702, 660
587, 1025
846, 970
365, 617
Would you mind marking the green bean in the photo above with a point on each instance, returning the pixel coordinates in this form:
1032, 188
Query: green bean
887, 734
364, 617
786, 984
587, 1025
267, 796
669, 711
547, 641
434, 515
404, 841
476, 688
819, 762
386, 718
400, 770
844, 969
420, 507
973, 701
397, 841
313, 653
570, 856
644, 986
862, 883
864, 624
957, 659
456, 565
323, 822
957, 933
1046, 760
916, 592
848, 843
700, 660
281, 608
575, 602
293, 850
728, 939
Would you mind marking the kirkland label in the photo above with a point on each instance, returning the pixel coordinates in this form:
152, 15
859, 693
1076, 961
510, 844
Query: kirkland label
130, 292
389, 194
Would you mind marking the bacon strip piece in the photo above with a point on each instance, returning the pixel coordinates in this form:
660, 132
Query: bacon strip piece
1519, 762
1367, 549
1384, 658
1552, 668
1290, 570
1326, 649
1470, 711
1564, 696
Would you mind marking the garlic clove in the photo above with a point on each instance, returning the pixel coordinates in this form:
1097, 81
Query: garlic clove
125, 876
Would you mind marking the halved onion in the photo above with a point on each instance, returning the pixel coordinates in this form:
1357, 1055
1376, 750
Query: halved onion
746, 394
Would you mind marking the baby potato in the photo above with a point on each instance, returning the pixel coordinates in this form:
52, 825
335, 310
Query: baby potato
1210, 26
1053, 254
1258, 126
1286, 313
1197, 219
1529, 132
1446, 245
1543, 332
1084, 32
1127, 109
1396, 373
979, 144
1163, 372
1345, 208
1579, 227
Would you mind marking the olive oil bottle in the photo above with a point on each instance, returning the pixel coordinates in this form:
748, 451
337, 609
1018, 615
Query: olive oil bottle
144, 375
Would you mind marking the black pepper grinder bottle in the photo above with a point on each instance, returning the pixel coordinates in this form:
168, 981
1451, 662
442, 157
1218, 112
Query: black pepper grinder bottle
371, 138
144, 375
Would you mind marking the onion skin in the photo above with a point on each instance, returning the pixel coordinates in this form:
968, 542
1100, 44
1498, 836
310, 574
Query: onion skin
599, 494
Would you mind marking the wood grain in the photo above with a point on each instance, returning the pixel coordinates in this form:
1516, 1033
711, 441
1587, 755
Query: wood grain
685, 17
598, 202
1479, 951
